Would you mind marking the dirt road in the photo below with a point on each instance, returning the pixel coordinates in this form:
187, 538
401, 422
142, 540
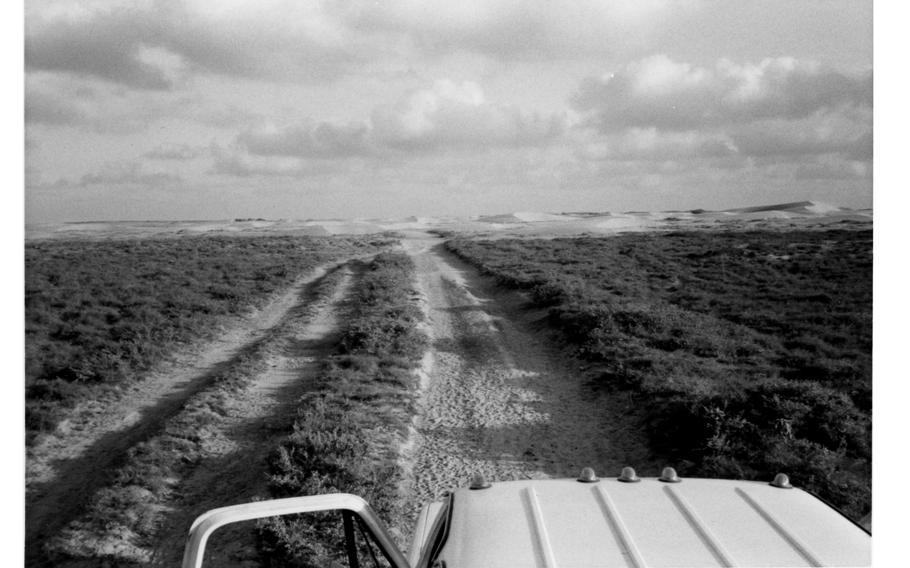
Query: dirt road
66, 468
500, 397
258, 420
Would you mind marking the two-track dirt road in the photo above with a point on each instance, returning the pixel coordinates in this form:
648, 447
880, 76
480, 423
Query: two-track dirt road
66, 468
501, 398
498, 397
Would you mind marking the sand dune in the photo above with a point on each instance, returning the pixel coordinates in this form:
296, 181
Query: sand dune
798, 207
624, 222
535, 217
525, 217
517, 224
348, 227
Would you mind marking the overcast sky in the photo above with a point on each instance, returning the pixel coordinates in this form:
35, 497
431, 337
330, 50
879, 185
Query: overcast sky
180, 109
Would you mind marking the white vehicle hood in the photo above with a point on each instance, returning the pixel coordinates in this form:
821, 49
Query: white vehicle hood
696, 522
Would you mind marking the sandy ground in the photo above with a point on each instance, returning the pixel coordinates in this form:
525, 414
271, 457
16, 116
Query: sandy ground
499, 398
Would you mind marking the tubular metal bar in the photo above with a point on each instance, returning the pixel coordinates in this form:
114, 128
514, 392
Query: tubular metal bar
209, 522
350, 539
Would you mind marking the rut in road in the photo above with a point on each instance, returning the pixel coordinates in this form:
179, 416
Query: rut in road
65, 469
259, 419
501, 398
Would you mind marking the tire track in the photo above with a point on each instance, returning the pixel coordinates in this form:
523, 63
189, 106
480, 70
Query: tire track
500, 398
65, 469
258, 420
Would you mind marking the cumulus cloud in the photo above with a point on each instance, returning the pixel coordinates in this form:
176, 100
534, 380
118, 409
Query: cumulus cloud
652, 144
659, 92
457, 115
111, 43
236, 161
156, 43
446, 116
319, 140
91, 104
777, 111
237, 164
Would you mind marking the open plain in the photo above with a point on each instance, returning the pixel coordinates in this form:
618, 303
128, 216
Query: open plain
420, 358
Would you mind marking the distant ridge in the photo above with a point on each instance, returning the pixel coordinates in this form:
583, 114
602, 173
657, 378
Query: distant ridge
794, 207
525, 217
518, 224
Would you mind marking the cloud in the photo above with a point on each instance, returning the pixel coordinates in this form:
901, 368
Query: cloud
156, 44
43, 107
515, 29
767, 141
651, 144
659, 92
92, 104
159, 44
318, 140
451, 115
116, 44
779, 111
446, 116
127, 173
179, 152
822, 134
235, 161
833, 170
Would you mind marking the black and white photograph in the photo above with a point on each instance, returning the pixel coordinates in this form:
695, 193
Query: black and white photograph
463, 284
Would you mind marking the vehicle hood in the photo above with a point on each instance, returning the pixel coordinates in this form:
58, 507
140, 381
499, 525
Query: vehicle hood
695, 522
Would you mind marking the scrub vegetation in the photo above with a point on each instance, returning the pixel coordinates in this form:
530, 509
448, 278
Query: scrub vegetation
98, 313
750, 351
349, 428
346, 434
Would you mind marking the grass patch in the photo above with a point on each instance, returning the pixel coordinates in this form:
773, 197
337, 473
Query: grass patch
348, 430
751, 350
99, 313
123, 518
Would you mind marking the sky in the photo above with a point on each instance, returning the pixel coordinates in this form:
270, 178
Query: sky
186, 109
